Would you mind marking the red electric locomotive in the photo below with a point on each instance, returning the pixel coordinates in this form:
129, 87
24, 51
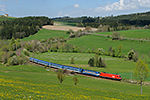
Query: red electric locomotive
110, 76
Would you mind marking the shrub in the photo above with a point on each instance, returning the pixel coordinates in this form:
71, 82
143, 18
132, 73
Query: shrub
75, 79
6, 56
113, 52
5, 48
1, 55
91, 62
14, 61
72, 60
102, 62
60, 75
135, 56
89, 51
116, 36
26, 52
22, 60
130, 54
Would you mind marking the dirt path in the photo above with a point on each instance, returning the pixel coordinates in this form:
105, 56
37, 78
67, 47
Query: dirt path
18, 52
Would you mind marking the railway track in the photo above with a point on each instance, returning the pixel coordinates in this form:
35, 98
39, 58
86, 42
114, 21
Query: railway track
18, 52
70, 72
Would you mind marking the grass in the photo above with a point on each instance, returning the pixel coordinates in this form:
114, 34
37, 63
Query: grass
114, 65
40, 84
92, 41
144, 33
6, 18
44, 34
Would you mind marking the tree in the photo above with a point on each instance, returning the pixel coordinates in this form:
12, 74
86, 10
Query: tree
119, 50
101, 62
60, 75
12, 40
141, 71
113, 52
91, 62
96, 60
116, 35
72, 60
88, 28
75, 79
130, 54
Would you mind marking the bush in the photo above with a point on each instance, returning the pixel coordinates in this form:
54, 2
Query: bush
60, 75
130, 54
72, 60
75, 79
116, 36
6, 56
98, 62
5, 48
22, 60
91, 62
135, 56
102, 62
14, 61
26, 52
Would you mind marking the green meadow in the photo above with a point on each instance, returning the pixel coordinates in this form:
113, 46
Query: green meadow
94, 41
45, 34
35, 82
18, 82
6, 18
144, 33
114, 65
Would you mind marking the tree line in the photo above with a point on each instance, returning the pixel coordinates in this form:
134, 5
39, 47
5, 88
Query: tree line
22, 27
137, 19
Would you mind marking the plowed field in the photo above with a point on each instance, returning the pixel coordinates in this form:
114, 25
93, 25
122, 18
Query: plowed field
65, 28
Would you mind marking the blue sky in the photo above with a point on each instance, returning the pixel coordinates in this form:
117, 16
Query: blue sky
73, 8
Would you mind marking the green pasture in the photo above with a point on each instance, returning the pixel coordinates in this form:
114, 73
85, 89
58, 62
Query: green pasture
45, 34
144, 33
93, 41
18, 82
6, 18
114, 65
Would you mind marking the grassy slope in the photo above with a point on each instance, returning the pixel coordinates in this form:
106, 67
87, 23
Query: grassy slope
36, 83
44, 34
144, 33
6, 18
91, 41
114, 65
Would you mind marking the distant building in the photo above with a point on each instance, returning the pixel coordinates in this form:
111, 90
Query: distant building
6, 15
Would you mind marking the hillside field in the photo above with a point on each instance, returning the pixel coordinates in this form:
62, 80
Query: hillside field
45, 34
114, 65
34, 82
93, 41
138, 34
6, 18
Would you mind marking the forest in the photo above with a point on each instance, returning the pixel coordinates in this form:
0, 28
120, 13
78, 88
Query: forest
137, 19
22, 27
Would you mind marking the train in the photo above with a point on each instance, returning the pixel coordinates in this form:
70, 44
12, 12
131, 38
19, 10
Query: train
77, 70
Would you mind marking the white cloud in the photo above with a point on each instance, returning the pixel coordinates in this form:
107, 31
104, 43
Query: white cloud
76, 6
60, 13
124, 5
2, 8
16, 1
